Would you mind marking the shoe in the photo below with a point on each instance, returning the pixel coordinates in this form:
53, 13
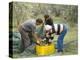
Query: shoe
59, 50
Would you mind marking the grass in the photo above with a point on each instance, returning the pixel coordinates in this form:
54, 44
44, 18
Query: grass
70, 43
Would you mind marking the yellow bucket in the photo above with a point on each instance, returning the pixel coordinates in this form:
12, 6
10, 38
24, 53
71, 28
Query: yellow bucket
45, 50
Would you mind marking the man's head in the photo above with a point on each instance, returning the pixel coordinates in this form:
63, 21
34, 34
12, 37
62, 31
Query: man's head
39, 21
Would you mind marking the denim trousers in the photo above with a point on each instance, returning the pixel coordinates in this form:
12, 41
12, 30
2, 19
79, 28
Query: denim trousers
61, 38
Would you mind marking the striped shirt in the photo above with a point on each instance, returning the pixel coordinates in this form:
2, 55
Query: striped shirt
56, 28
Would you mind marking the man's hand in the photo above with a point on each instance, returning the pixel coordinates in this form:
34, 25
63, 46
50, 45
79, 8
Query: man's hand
38, 42
37, 38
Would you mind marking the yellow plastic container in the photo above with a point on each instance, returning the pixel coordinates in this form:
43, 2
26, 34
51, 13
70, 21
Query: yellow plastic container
45, 50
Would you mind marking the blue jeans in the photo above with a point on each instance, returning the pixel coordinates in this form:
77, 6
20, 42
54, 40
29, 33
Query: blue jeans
60, 39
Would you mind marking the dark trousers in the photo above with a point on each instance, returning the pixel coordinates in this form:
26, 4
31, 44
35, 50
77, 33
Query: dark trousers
25, 38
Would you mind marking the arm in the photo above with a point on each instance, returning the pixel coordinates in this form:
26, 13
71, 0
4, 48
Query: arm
37, 38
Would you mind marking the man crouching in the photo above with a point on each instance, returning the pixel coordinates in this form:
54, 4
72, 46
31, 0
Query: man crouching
27, 31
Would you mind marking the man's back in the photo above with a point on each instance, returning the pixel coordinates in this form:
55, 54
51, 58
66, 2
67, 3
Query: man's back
29, 25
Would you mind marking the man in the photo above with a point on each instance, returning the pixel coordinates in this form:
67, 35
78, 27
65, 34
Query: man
27, 31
